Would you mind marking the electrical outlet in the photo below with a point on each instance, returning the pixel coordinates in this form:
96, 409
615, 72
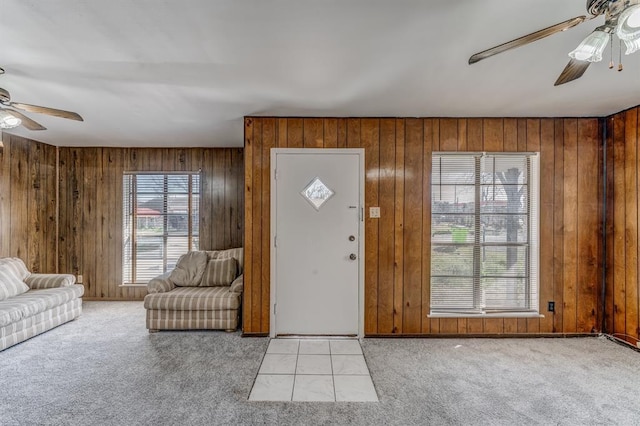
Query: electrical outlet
374, 212
79, 279
551, 307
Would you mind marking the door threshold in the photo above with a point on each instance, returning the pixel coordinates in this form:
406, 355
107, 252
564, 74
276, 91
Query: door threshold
316, 336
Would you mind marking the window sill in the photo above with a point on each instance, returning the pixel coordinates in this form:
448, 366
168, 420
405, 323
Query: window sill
132, 285
491, 315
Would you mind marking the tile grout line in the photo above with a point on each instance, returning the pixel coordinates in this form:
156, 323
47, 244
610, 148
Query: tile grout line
333, 377
295, 371
259, 367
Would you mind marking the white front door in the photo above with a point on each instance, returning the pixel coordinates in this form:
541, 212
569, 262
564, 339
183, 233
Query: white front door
316, 252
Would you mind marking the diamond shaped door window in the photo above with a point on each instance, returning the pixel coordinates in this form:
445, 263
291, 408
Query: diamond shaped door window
317, 193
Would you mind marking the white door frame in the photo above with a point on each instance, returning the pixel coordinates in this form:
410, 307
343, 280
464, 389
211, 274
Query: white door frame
361, 248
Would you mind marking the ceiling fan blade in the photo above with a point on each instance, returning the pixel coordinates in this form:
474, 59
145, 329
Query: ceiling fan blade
26, 121
529, 38
572, 71
45, 110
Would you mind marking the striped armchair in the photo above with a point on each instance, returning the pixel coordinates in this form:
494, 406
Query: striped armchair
210, 302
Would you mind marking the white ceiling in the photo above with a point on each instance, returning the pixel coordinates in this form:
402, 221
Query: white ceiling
184, 73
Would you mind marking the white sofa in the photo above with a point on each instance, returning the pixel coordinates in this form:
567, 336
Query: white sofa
31, 304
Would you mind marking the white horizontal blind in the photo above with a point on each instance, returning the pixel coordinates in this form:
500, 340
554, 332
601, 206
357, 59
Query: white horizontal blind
161, 214
484, 238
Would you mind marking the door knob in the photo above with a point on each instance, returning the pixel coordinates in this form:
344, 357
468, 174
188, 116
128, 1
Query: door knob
352, 238
352, 256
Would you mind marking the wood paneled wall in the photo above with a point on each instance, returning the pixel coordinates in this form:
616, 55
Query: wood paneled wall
397, 245
28, 202
91, 207
623, 165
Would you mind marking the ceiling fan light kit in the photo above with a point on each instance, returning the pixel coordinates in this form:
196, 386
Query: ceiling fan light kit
622, 18
592, 47
628, 29
8, 121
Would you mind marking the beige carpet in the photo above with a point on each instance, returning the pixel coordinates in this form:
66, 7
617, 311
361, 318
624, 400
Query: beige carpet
105, 369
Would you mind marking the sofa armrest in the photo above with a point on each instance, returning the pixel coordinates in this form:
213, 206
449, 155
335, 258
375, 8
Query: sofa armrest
237, 286
160, 284
42, 281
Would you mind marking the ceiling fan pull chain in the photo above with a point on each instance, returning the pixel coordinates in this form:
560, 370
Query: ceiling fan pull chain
611, 43
620, 53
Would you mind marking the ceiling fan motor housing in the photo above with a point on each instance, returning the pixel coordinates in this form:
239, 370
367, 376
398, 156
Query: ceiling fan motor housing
598, 7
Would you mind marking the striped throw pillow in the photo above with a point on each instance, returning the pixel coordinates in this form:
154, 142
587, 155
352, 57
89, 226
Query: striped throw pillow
10, 284
220, 272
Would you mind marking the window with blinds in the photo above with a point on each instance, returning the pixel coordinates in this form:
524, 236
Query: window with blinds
161, 215
484, 233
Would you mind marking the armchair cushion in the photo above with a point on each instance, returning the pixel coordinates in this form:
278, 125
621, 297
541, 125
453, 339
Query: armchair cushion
189, 270
220, 272
193, 299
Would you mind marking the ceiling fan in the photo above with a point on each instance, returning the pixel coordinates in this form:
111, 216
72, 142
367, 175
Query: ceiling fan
622, 18
10, 118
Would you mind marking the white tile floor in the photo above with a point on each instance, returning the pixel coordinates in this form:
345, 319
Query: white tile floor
313, 370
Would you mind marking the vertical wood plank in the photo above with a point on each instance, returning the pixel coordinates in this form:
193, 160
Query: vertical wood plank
354, 126
229, 192
250, 282
429, 325
474, 135
88, 222
510, 135
34, 236
546, 240
256, 296
386, 225
268, 141
435, 134
330, 132
462, 135
589, 225
282, 132
570, 224
619, 227
448, 134
370, 137
522, 135
413, 226
294, 133
64, 248
558, 225
19, 197
633, 293
342, 132
51, 226
398, 292
207, 184
493, 132
610, 246
5, 196
631, 218
533, 145
313, 133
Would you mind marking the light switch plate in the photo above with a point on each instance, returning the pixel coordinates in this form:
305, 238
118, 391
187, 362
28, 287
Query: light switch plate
374, 212
79, 279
